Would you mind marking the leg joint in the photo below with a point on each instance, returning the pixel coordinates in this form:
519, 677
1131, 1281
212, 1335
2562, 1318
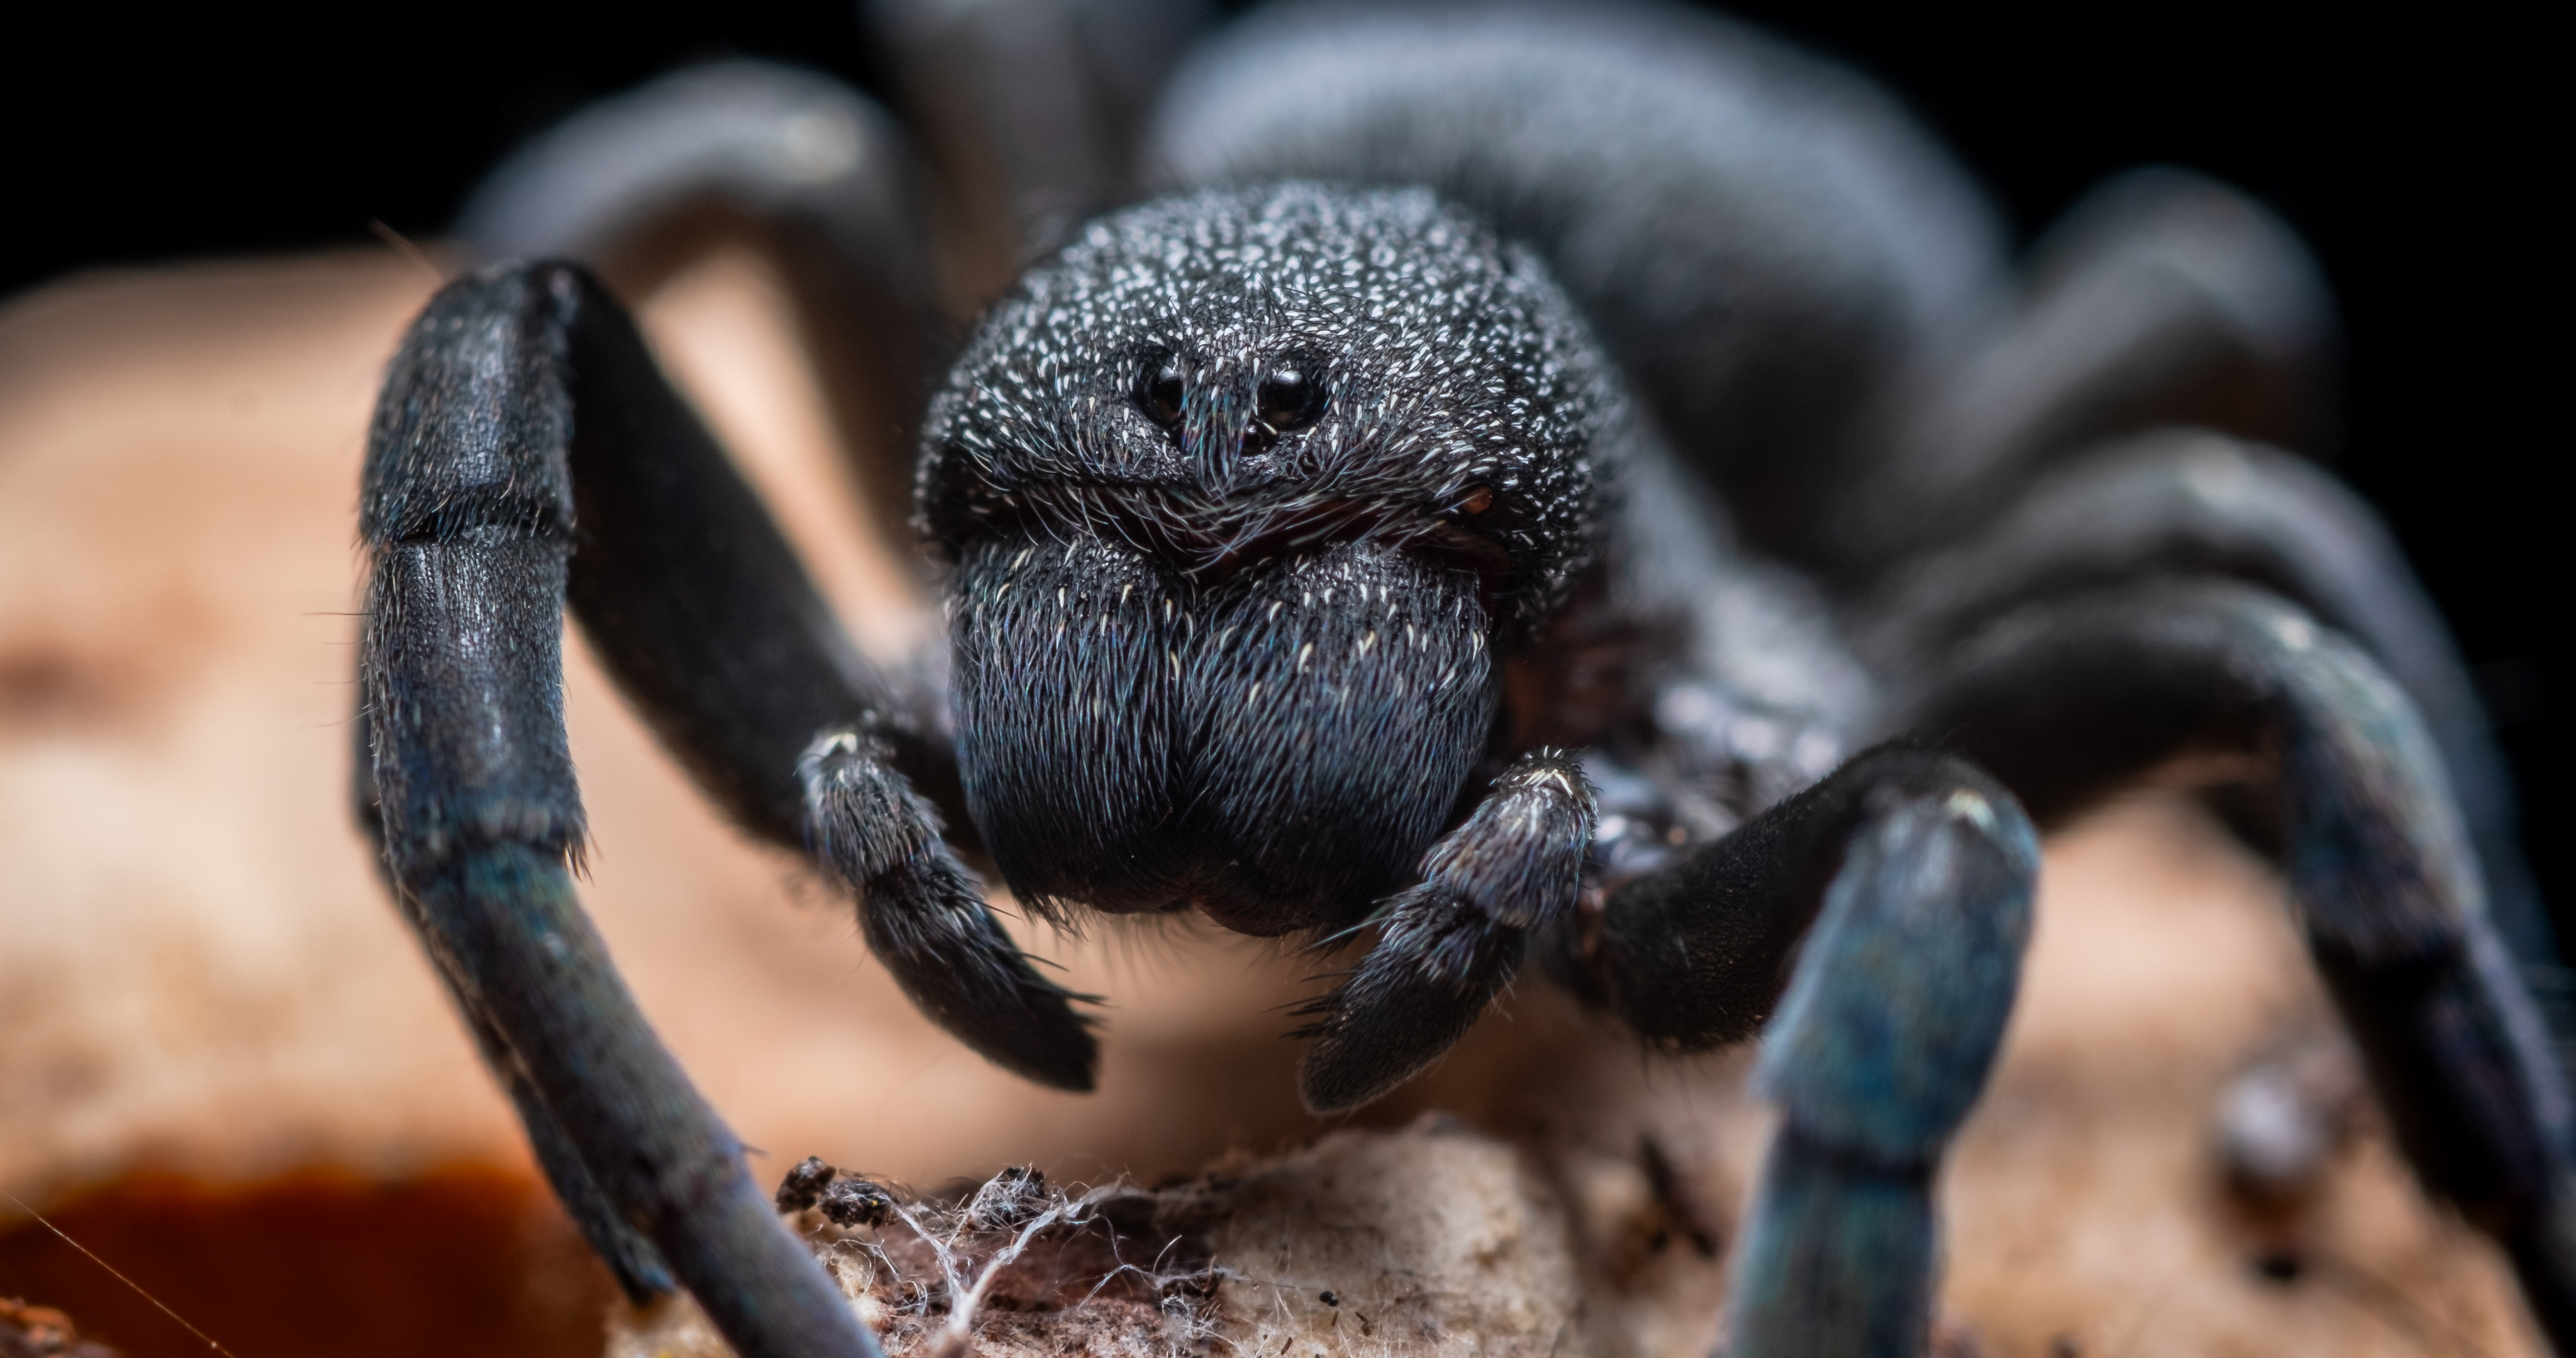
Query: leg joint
477, 412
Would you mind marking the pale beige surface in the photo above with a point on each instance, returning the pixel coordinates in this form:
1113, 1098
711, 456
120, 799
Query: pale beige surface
1485, 1268
192, 972
197, 971
2083, 1196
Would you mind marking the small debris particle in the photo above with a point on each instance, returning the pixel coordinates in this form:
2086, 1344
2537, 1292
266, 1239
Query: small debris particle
1676, 1201
1328, 1298
804, 1184
2280, 1266
856, 1202
1009, 1197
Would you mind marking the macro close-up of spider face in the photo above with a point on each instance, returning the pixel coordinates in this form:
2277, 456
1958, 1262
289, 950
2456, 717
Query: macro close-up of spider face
1491, 496
1232, 499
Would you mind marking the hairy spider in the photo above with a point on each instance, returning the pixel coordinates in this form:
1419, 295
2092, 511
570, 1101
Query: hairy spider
1491, 481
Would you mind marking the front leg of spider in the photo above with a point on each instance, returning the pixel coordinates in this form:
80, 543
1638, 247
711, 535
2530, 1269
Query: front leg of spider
1449, 944
1910, 877
924, 915
527, 451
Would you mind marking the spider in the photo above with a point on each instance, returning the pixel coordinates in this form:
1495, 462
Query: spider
1575, 489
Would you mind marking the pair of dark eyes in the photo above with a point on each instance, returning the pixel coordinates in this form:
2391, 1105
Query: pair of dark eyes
1289, 398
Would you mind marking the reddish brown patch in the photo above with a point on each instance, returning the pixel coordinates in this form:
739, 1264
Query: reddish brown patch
468, 1259
42, 1332
47, 689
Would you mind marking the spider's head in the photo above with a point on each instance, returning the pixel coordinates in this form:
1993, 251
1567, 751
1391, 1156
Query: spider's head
1243, 490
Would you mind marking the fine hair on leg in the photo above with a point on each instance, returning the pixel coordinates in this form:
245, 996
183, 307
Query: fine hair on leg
469, 514
1449, 944
924, 916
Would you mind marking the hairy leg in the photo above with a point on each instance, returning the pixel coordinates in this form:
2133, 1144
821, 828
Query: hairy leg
924, 917
2188, 502
2068, 699
1915, 872
631, 1256
526, 451
707, 621
809, 169
1449, 944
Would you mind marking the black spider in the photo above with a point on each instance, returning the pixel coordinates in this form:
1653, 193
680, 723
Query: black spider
1473, 386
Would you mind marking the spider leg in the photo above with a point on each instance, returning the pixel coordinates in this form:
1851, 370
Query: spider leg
1029, 109
527, 452
2164, 298
1450, 943
638, 1267
704, 617
1916, 872
2066, 699
815, 173
924, 915
2190, 502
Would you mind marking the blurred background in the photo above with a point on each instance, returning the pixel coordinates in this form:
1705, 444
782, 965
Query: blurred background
2406, 145
200, 971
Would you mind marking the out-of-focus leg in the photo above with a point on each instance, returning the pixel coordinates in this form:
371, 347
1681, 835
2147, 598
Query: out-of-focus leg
812, 171
2068, 699
2163, 299
2180, 503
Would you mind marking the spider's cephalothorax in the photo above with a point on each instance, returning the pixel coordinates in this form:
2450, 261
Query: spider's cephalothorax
1309, 564
1244, 490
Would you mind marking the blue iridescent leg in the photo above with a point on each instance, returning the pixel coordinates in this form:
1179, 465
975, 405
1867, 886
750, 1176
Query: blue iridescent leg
1915, 872
631, 1258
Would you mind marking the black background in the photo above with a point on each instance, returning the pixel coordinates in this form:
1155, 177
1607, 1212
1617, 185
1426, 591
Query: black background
2408, 149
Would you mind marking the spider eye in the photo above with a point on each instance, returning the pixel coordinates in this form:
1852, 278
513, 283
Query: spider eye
1289, 399
1158, 389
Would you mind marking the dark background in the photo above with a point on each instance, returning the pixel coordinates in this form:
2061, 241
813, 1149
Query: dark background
2408, 149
